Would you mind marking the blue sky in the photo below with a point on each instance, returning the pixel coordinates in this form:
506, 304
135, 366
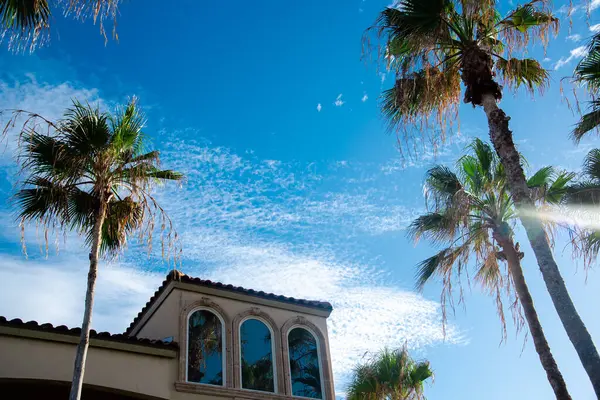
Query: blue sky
293, 185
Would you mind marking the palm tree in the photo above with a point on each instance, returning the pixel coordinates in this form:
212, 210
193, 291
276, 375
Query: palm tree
433, 45
472, 215
89, 172
27, 22
587, 73
389, 375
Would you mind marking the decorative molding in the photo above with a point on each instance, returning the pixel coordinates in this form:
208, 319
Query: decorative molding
232, 393
324, 360
278, 359
205, 302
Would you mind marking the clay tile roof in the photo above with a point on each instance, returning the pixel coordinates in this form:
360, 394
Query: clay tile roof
63, 330
175, 275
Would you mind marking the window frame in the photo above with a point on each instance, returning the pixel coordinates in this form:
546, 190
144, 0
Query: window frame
319, 361
223, 346
273, 354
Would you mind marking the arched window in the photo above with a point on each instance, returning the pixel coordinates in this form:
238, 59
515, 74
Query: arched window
256, 344
304, 364
205, 357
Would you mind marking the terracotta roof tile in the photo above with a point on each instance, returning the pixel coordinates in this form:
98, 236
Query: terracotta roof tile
64, 330
175, 275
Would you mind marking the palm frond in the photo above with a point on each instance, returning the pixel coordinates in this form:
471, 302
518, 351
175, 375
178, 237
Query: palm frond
24, 21
588, 122
532, 20
486, 157
43, 200
479, 169
127, 129
489, 274
50, 156
166, 174
529, 72
526, 16
559, 188
152, 157
85, 129
588, 68
123, 218
587, 191
439, 264
24, 15
591, 165
590, 246
413, 21
442, 184
542, 177
421, 372
144, 172
434, 226
426, 93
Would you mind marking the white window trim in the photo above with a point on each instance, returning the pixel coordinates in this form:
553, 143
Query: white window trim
273, 354
319, 361
223, 347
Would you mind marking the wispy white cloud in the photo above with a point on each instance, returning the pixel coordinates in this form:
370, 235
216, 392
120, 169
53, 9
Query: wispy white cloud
567, 9
319, 107
364, 98
382, 76
582, 6
595, 28
574, 37
338, 101
575, 53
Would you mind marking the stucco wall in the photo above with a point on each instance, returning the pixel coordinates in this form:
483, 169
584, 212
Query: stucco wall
23, 358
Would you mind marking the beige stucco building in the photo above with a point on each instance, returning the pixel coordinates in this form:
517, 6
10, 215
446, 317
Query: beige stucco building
194, 340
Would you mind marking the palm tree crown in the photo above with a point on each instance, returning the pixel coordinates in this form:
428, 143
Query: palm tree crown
90, 159
389, 375
433, 45
468, 212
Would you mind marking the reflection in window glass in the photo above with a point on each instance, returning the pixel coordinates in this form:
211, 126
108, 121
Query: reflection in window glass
205, 348
257, 356
304, 364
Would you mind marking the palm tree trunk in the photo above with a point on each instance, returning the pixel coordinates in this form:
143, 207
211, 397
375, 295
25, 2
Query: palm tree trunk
535, 328
84, 338
501, 137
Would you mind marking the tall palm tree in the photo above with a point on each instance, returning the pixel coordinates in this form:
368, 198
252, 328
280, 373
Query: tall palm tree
587, 73
471, 214
89, 172
389, 375
26, 23
433, 46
